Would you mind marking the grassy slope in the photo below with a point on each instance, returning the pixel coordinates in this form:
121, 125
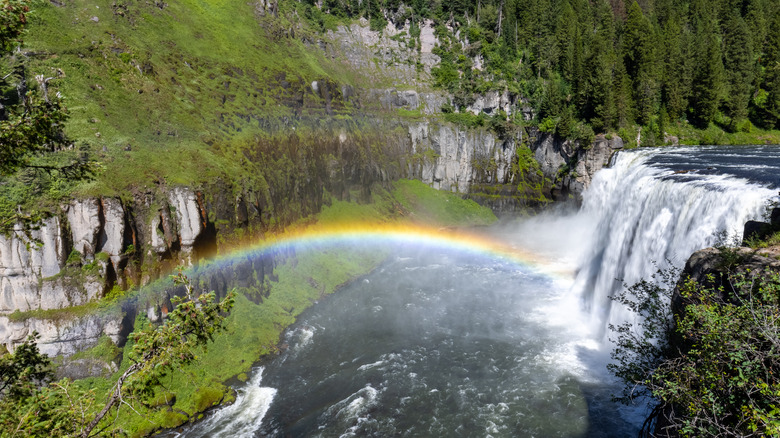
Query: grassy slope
253, 330
163, 82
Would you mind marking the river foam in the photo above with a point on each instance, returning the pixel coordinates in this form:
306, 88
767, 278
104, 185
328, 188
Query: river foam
241, 418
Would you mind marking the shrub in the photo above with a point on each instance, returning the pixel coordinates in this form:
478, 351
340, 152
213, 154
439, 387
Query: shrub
713, 367
548, 125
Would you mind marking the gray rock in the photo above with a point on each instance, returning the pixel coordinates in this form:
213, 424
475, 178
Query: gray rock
23, 263
188, 218
60, 337
710, 268
387, 53
554, 154
756, 230
112, 239
84, 220
774, 218
448, 154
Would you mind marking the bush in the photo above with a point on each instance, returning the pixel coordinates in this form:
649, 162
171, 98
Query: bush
74, 258
548, 125
713, 368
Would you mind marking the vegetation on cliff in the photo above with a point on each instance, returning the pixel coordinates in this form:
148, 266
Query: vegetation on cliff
34, 406
706, 352
298, 278
166, 93
32, 143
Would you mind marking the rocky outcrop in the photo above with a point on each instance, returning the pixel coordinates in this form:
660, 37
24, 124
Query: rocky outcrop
24, 260
189, 220
112, 239
569, 165
451, 158
492, 102
94, 244
76, 257
85, 225
761, 230
391, 53
716, 269
61, 336
428, 103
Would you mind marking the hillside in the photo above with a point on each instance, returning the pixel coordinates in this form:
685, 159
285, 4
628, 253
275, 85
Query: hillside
183, 93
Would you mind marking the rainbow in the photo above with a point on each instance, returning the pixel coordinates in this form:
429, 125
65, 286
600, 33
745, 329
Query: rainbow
359, 233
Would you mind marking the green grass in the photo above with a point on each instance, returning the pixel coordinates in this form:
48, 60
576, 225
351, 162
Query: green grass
252, 331
466, 119
170, 95
409, 200
771, 240
105, 351
426, 205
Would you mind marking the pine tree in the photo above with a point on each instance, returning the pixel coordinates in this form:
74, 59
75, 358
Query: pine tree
601, 109
739, 66
708, 80
677, 79
624, 104
641, 64
769, 110
565, 35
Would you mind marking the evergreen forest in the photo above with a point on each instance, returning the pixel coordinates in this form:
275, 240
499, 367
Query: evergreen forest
608, 63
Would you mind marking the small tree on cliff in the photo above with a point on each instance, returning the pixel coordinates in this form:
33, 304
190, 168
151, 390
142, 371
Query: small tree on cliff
62, 409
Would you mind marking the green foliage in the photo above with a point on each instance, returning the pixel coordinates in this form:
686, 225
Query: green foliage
465, 119
22, 370
639, 350
713, 368
65, 409
531, 180
32, 119
431, 206
250, 331
105, 351
158, 351
548, 125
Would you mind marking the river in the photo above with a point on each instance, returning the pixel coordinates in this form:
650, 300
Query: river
438, 342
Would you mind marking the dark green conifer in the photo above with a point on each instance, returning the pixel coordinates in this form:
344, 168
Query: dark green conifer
739, 66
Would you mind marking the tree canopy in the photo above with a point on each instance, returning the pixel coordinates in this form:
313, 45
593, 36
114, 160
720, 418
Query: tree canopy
611, 63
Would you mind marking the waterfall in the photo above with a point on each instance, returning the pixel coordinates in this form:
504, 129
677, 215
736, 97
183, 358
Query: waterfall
645, 217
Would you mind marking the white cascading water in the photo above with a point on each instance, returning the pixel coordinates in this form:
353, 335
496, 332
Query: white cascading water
244, 416
645, 218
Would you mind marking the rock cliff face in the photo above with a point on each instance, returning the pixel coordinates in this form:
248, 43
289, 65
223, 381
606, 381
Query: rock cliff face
25, 260
77, 256
448, 157
554, 154
392, 54
61, 337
